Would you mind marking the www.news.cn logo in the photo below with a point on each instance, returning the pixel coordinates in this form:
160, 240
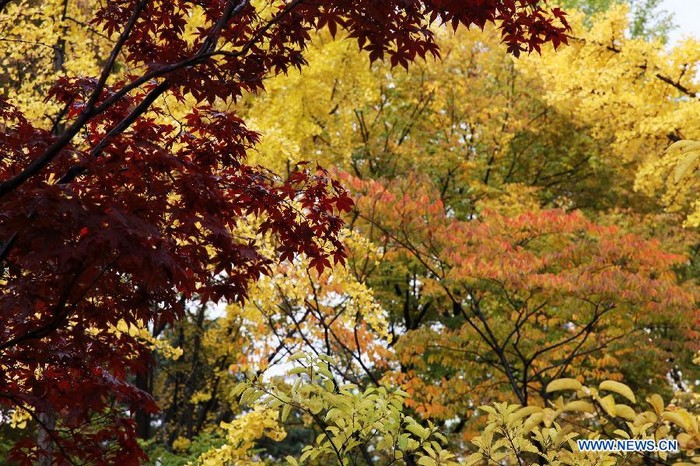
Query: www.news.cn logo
630, 445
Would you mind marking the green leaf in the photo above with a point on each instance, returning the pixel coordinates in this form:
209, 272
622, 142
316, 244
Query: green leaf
285, 412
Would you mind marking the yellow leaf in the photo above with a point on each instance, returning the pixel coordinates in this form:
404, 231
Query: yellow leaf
684, 165
681, 419
425, 461
579, 406
418, 431
625, 412
564, 384
657, 403
689, 150
608, 404
523, 412
532, 422
619, 388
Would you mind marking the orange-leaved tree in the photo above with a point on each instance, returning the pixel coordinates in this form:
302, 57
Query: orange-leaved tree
499, 306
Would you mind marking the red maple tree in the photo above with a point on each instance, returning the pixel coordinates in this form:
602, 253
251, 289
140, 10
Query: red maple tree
115, 216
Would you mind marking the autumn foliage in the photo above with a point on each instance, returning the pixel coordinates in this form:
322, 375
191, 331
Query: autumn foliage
565, 296
291, 232
118, 211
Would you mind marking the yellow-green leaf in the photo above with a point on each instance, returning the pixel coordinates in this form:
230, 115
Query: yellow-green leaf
619, 388
563, 384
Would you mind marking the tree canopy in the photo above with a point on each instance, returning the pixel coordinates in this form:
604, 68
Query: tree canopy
357, 233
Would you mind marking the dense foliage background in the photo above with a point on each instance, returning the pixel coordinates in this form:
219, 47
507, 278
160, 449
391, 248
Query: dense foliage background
483, 221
